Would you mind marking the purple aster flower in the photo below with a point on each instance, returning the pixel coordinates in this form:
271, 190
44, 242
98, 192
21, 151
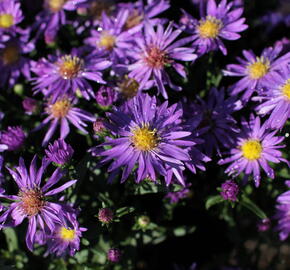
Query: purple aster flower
13, 138
59, 152
106, 215
264, 225
61, 113
13, 63
213, 120
64, 75
276, 99
256, 71
32, 201
230, 190
114, 255
1, 174
66, 235
30, 105
111, 38
255, 147
156, 50
174, 197
218, 22
149, 136
106, 96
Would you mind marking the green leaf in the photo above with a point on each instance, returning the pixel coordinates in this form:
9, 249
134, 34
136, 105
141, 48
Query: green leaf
124, 211
246, 202
212, 200
11, 239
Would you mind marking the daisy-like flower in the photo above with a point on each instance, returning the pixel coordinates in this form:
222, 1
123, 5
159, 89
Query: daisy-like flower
276, 99
64, 75
256, 71
61, 113
66, 235
149, 136
222, 21
155, 51
255, 147
13, 63
33, 200
10, 16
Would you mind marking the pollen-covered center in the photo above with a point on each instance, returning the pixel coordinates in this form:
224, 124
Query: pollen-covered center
32, 201
60, 108
10, 55
70, 66
259, 68
67, 234
144, 139
129, 87
6, 20
107, 41
286, 89
252, 149
56, 5
156, 58
209, 27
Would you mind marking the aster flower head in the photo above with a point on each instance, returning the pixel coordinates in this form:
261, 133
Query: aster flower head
62, 112
256, 71
32, 201
217, 23
13, 138
59, 152
275, 100
64, 75
255, 147
154, 51
106, 215
105, 96
114, 255
66, 236
99, 126
147, 135
30, 105
229, 190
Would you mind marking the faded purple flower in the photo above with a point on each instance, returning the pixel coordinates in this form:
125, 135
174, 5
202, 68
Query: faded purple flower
106, 96
30, 105
230, 190
106, 215
114, 255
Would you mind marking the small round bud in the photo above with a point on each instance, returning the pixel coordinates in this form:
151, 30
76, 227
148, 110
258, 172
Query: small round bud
264, 225
98, 125
106, 215
105, 96
230, 190
143, 221
114, 255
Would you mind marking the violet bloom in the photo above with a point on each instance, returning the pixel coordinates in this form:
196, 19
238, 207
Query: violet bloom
13, 138
147, 135
30, 105
59, 152
1, 174
61, 113
32, 201
106, 96
114, 255
175, 197
155, 51
106, 215
65, 238
64, 75
230, 190
264, 225
222, 21
255, 147
256, 71
276, 99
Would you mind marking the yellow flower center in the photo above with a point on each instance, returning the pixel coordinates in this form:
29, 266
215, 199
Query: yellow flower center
286, 89
129, 87
67, 234
10, 54
252, 149
60, 108
144, 139
32, 201
259, 68
70, 66
209, 28
55, 5
6, 20
107, 41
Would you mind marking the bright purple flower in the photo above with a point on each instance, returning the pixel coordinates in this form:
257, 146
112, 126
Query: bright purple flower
13, 138
264, 225
147, 135
230, 190
30, 105
155, 51
255, 147
174, 197
276, 99
61, 113
256, 71
106, 215
114, 255
105, 96
32, 201
218, 22
64, 75
59, 152
65, 238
